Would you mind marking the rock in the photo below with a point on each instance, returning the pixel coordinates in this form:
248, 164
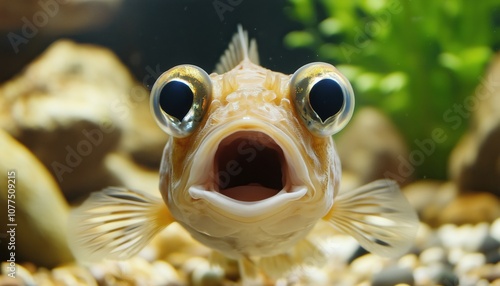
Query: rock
475, 161
143, 140
372, 148
429, 198
392, 276
40, 209
129, 174
70, 107
471, 208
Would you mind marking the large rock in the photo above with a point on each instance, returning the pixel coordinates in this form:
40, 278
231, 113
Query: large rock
71, 107
429, 198
38, 209
475, 161
471, 208
372, 148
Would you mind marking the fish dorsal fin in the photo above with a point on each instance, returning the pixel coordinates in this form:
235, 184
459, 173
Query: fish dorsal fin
240, 49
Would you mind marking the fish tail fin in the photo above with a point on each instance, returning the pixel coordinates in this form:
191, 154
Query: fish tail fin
240, 49
116, 223
378, 216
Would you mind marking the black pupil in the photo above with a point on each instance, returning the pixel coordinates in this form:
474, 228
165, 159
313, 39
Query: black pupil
176, 99
326, 98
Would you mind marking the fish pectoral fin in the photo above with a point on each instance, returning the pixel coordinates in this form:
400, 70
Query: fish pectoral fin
115, 223
378, 216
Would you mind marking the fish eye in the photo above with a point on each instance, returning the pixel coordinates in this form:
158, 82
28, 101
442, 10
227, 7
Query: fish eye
322, 97
179, 99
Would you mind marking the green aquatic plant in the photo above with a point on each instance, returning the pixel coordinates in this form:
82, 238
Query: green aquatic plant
415, 60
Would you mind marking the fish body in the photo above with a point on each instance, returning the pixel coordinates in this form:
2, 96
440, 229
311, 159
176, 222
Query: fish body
249, 169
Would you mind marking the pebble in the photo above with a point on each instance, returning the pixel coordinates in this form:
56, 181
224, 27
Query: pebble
165, 274
409, 261
432, 255
495, 229
468, 237
489, 244
426, 237
22, 275
393, 275
367, 265
435, 274
493, 257
476, 236
469, 262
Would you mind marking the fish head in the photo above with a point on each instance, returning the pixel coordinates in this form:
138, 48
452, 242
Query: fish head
252, 146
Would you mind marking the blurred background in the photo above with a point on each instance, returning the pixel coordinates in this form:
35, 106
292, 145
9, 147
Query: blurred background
75, 77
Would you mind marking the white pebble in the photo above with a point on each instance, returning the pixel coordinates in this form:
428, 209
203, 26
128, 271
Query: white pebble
202, 276
433, 254
366, 265
164, 274
468, 262
21, 273
474, 236
425, 236
455, 255
495, 229
149, 253
193, 263
466, 236
422, 276
315, 276
408, 261
448, 235
340, 247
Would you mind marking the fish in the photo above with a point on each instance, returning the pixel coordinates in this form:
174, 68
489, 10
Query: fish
249, 169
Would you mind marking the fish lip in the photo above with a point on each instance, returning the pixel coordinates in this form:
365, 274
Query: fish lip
248, 209
201, 183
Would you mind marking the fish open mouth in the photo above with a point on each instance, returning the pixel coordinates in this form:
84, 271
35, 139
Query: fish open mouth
249, 166
248, 171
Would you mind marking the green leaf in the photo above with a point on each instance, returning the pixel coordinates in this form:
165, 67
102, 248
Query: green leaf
299, 39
